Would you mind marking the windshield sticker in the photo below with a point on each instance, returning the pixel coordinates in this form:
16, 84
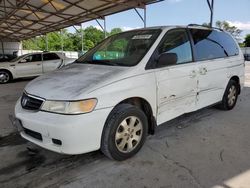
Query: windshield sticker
142, 37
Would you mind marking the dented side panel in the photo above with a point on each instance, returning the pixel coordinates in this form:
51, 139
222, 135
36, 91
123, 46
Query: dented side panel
176, 91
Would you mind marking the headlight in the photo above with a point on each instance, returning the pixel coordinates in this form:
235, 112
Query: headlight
69, 107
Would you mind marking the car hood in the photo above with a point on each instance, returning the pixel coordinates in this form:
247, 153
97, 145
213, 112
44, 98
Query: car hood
71, 82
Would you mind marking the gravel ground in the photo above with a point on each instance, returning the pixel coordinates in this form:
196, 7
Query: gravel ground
208, 148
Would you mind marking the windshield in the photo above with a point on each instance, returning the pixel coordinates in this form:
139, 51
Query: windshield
123, 49
18, 58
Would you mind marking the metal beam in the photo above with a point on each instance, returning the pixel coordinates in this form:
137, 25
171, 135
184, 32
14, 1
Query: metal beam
82, 38
81, 32
61, 37
144, 17
211, 7
47, 43
26, 19
103, 27
2, 47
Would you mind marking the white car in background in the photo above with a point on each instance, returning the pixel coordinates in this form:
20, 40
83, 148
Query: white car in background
33, 64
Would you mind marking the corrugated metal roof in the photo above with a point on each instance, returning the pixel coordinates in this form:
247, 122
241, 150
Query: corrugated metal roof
23, 19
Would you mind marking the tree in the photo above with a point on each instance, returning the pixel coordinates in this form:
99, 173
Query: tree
115, 31
71, 41
206, 24
247, 41
93, 34
231, 29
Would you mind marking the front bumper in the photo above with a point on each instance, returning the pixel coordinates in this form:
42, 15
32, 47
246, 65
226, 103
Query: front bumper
77, 133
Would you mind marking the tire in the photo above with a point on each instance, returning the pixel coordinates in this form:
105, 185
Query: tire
124, 133
230, 96
5, 77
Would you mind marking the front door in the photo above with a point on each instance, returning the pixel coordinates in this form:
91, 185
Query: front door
30, 65
176, 83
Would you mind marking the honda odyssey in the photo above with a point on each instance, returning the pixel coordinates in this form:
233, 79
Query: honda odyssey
113, 96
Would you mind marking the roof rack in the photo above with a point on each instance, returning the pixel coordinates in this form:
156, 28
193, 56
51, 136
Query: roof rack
208, 27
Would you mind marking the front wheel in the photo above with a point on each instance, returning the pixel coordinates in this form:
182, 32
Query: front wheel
124, 132
230, 96
5, 77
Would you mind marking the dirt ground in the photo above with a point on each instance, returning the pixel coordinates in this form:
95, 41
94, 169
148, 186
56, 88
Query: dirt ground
208, 148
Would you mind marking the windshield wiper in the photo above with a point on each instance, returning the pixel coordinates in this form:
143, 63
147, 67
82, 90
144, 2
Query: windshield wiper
100, 62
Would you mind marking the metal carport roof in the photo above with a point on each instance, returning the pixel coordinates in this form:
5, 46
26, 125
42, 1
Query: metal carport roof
23, 19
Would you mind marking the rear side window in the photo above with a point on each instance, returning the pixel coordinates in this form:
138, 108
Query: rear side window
50, 56
177, 41
211, 44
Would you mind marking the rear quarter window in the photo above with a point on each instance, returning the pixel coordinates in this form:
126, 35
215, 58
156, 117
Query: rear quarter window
50, 56
212, 44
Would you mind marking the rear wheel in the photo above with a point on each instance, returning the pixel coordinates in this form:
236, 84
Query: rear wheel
125, 132
5, 77
230, 96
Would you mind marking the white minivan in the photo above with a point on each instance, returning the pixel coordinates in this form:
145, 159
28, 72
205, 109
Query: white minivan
112, 97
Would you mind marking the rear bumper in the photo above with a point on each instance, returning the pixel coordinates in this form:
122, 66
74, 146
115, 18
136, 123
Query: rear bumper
77, 133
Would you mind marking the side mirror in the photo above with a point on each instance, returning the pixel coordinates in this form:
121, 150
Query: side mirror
166, 59
23, 61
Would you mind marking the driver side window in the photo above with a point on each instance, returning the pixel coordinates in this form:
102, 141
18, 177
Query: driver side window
33, 58
177, 42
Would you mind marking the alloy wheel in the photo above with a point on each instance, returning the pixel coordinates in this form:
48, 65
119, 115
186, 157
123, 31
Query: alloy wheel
4, 77
232, 94
128, 134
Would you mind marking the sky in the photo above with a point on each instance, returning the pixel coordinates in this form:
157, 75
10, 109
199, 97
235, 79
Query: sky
182, 12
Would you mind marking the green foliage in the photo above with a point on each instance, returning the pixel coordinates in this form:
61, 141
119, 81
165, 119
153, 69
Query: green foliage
71, 41
247, 41
206, 24
115, 31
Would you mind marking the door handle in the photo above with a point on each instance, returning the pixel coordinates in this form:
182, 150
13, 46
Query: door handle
192, 74
203, 70
38, 64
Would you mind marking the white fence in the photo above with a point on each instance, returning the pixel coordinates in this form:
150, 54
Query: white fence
246, 50
16, 47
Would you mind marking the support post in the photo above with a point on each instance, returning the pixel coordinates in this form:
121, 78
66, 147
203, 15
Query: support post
21, 45
105, 29
102, 27
2, 47
211, 7
144, 17
46, 41
61, 34
35, 40
82, 37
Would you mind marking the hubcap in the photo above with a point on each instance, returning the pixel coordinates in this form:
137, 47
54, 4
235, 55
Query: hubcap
232, 95
4, 77
128, 134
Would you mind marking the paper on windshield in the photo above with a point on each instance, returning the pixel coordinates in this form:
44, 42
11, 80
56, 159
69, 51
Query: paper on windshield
142, 37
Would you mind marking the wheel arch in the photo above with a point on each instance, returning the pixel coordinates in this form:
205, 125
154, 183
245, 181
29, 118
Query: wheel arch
145, 106
237, 80
6, 70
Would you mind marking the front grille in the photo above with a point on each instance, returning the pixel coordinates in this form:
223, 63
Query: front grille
31, 103
33, 134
